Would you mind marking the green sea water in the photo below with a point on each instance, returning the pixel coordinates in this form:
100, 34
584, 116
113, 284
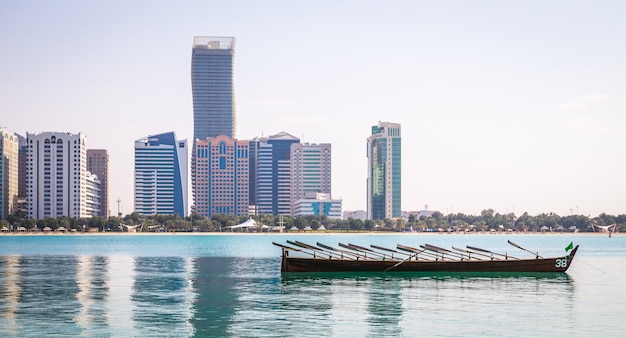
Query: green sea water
231, 286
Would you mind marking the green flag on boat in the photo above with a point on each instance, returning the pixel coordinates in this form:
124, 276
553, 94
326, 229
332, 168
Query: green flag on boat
569, 247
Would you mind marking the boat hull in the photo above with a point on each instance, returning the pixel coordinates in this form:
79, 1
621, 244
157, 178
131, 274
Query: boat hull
303, 264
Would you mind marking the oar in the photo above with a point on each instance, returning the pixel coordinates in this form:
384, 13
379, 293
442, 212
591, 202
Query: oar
352, 254
284, 247
407, 248
348, 246
325, 250
400, 262
389, 250
442, 253
310, 247
489, 252
417, 251
522, 248
444, 250
370, 251
470, 252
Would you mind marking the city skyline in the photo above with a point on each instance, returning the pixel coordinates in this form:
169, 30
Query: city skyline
510, 106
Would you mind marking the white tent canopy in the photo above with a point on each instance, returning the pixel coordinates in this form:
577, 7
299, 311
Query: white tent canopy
249, 223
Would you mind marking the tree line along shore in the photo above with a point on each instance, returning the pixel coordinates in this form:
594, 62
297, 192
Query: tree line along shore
487, 221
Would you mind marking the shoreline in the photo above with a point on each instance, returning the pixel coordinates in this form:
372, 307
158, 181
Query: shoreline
290, 233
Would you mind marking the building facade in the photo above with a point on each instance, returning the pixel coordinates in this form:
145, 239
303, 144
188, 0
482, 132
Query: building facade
317, 204
310, 170
222, 176
98, 164
56, 175
384, 175
212, 69
93, 195
212, 87
9, 173
21, 180
273, 174
355, 214
161, 175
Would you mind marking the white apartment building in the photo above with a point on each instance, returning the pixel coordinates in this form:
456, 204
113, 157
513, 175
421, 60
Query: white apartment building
94, 195
56, 175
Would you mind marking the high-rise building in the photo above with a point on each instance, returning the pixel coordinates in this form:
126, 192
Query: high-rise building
252, 165
310, 170
212, 87
161, 175
9, 154
222, 176
93, 195
384, 194
273, 174
56, 175
212, 91
98, 164
21, 177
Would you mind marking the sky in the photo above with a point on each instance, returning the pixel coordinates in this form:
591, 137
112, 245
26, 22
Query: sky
515, 106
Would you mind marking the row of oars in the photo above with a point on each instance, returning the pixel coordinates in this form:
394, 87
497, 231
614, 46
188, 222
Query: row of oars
402, 254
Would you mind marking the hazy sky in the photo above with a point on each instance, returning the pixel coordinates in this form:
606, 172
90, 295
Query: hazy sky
510, 105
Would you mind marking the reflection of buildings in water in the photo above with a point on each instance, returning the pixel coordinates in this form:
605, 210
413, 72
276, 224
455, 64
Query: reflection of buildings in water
263, 304
93, 290
188, 292
349, 304
311, 298
384, 307
10, 290
84, 280
216, 300
48, 289
163, 295
119, 307
429, 300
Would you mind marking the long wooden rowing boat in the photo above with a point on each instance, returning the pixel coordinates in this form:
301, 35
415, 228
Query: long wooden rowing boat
303, 257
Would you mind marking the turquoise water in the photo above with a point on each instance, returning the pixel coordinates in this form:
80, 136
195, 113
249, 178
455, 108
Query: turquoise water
221, 285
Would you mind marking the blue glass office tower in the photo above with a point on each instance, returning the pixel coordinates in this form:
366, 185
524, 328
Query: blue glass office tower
384, 175
212, 87
272, 171
161, 175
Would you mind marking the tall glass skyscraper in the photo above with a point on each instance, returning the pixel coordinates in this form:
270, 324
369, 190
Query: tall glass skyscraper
384, 176
212, 87
213, 93
161, 175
